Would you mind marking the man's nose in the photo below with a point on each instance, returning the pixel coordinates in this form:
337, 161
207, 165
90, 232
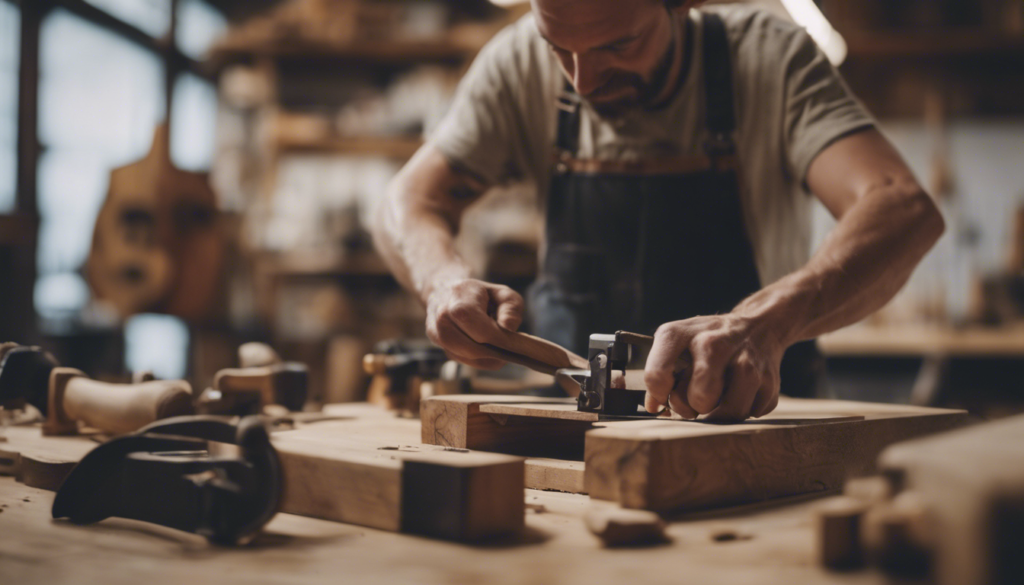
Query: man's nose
586, 73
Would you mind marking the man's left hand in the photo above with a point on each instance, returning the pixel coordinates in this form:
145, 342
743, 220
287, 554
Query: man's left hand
734, 373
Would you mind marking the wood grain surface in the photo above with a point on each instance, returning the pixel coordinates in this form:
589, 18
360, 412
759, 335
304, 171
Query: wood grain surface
803, 446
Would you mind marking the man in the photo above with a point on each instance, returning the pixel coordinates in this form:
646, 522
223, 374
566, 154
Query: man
675, 152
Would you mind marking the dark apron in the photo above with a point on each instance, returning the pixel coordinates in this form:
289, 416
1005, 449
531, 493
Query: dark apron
632, 245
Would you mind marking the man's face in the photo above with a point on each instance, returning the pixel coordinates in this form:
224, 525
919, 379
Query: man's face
610, 50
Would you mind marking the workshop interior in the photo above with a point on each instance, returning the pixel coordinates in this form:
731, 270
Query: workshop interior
211, 370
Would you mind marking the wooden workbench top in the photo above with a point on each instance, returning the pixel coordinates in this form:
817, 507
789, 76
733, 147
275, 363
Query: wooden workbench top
773, 544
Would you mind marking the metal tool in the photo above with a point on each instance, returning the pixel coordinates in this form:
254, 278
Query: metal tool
166, 474
406, 372
608, 354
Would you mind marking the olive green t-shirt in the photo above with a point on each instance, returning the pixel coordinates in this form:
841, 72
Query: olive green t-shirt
790, 105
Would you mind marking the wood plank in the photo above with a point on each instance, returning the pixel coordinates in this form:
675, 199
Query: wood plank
917, 340
803, 446
420, 490
457, 421
344, 472
667, 465
38, 461
369, 471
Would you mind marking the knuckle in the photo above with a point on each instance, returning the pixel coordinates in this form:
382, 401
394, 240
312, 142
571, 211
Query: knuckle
704, 343
460, 311
658, 380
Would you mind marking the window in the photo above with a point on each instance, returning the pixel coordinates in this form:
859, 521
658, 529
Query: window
199, 25
10, 33
100, 98
151, 16
193, 120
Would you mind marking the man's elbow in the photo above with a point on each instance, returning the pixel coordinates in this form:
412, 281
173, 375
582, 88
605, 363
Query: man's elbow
930, 220
922, 214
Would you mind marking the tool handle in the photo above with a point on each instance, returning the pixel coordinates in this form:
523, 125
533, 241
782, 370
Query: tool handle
534, 353
124, 408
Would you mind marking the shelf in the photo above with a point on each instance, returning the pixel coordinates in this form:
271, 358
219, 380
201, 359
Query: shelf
322, 264
923, 340
382, 52
934, 44
399, 148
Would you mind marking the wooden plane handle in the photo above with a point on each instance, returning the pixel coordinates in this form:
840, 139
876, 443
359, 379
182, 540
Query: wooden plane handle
535, 353
120, 408
259, 380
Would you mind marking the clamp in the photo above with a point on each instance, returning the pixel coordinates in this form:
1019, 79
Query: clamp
166, 474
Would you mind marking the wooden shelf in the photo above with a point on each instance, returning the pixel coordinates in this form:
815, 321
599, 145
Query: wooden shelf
934, 44
382, 52
399, 148
297, 264
924, 340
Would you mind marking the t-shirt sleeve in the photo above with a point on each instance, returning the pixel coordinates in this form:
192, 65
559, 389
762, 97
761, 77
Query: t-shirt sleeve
819, 108
480, 132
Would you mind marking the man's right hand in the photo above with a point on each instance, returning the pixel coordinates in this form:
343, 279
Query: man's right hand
464, 313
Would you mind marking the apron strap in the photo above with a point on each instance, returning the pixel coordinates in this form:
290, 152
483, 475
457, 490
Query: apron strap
568, 104
721, 119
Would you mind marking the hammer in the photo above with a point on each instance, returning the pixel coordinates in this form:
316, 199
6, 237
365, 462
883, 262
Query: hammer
66, 395
251, 388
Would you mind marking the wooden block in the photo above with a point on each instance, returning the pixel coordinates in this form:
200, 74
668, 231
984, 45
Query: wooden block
838, 527
555, 475
333, 472
871, 490
973, 483
670, 465
904, 544
457, 421
617, 526
804, 446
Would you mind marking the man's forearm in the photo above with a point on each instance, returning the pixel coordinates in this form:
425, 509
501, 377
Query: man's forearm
418, 247
865, 260
415, 227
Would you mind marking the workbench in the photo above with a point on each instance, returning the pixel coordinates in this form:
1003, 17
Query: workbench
765, 543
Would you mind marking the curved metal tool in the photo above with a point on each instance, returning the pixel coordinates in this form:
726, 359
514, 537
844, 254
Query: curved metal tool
165, 474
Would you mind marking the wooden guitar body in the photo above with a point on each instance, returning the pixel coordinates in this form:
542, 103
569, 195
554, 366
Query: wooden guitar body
157, 246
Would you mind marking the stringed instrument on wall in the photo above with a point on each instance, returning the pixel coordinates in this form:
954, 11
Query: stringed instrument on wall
157, 246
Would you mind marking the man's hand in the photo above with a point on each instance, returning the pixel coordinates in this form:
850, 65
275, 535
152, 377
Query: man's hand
464, 313
731, 369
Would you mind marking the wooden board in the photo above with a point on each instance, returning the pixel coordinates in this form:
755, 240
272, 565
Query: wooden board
38, 461
457, 421
334, 473
367, 470
973, 481
803, 446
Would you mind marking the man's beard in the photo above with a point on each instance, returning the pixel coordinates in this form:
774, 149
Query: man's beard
644, 92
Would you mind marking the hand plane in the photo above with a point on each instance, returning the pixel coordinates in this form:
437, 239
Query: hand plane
599, 382
601, 390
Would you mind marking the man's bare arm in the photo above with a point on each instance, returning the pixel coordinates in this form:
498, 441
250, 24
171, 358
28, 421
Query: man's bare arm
887, 223
414, 230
